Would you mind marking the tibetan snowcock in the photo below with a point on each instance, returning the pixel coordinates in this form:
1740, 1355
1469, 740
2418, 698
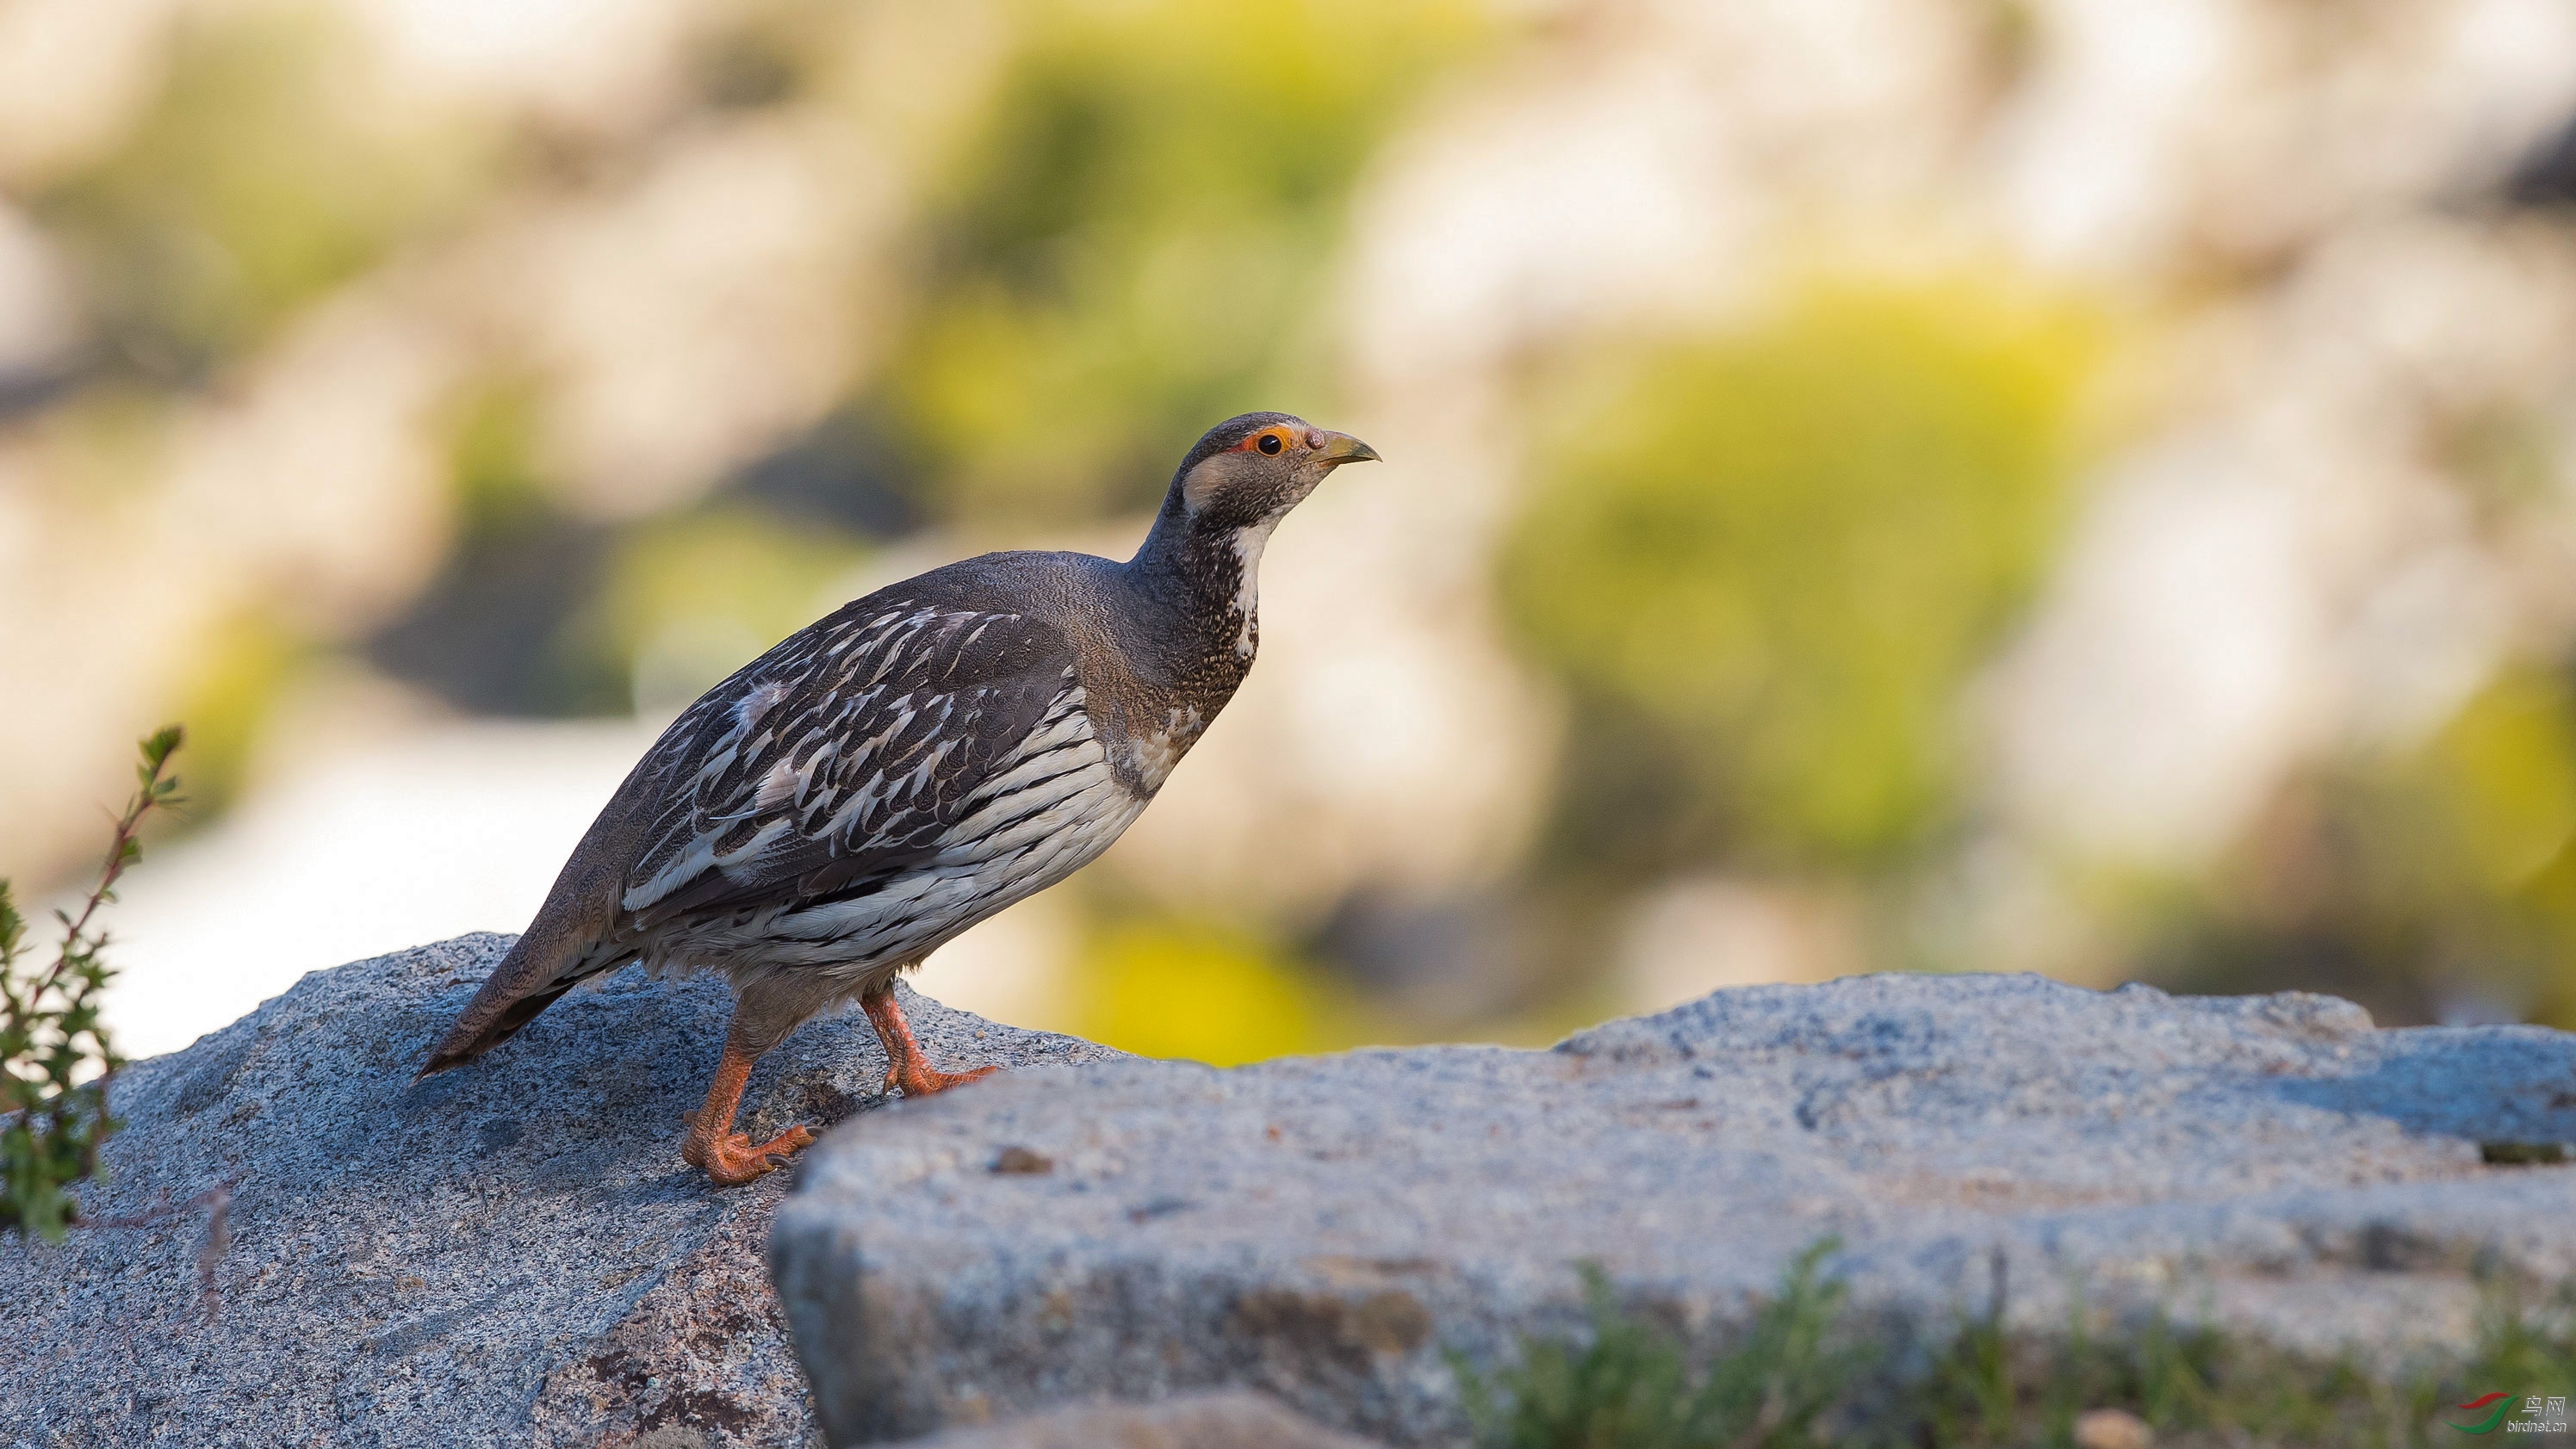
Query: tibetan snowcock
906, 767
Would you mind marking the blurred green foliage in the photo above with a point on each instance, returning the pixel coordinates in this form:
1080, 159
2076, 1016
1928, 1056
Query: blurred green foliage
1134, 241
688, 600
2502, 778
2439, 879
540, 612
763, 54
492, 467
234, 676
1764, 565
244, 193
2507, 457
1167, 988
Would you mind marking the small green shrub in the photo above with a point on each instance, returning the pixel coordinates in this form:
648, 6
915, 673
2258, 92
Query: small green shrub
1801, 1375
1764, 565
55, 1057
1632, 1388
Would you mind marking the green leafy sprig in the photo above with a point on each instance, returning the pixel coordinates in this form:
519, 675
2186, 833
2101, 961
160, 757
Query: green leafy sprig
55, 1057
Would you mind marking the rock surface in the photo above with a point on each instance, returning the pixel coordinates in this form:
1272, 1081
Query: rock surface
511, 1253
1322, 1229
1189, 1421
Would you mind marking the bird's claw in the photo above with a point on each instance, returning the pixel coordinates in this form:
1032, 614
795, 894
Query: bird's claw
923, 1081
731, 1160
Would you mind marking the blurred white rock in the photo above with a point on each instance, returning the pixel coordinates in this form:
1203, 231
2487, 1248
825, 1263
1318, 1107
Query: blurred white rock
685, 321
370, 847
2288, 570
73, 75
1686, 938
2148, 141
591, 65
318, 483
39, 323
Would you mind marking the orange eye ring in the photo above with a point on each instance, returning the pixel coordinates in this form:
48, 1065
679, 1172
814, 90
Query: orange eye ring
1270, 442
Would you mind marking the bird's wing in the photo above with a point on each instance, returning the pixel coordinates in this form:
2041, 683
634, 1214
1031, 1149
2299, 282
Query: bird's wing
844, 755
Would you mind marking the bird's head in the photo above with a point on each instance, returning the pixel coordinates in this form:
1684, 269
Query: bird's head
1248, 471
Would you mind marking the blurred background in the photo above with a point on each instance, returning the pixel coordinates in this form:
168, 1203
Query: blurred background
2051, 485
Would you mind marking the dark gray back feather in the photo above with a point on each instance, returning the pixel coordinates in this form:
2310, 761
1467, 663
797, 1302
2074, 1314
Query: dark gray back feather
840, 757
869, 728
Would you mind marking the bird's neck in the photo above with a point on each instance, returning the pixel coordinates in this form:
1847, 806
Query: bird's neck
1210, 576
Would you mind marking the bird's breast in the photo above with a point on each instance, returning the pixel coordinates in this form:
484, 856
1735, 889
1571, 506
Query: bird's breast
1148, 749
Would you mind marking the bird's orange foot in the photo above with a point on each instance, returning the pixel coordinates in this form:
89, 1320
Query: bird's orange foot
731, 1160
905, 1065
922, 1079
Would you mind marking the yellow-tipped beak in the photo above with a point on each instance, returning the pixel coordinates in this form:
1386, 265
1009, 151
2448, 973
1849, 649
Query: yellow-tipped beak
1343, 448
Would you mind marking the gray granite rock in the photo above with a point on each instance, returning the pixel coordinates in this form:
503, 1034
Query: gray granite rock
1324, 1228
511, 1253
1235, 1420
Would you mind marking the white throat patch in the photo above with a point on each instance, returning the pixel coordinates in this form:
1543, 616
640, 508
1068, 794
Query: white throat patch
1248, 544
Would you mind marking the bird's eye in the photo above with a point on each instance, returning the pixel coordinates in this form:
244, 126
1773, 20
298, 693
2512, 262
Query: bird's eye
1270, 443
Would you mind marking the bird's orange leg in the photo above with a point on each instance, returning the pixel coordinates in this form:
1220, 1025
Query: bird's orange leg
728, 1156
905, 1065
